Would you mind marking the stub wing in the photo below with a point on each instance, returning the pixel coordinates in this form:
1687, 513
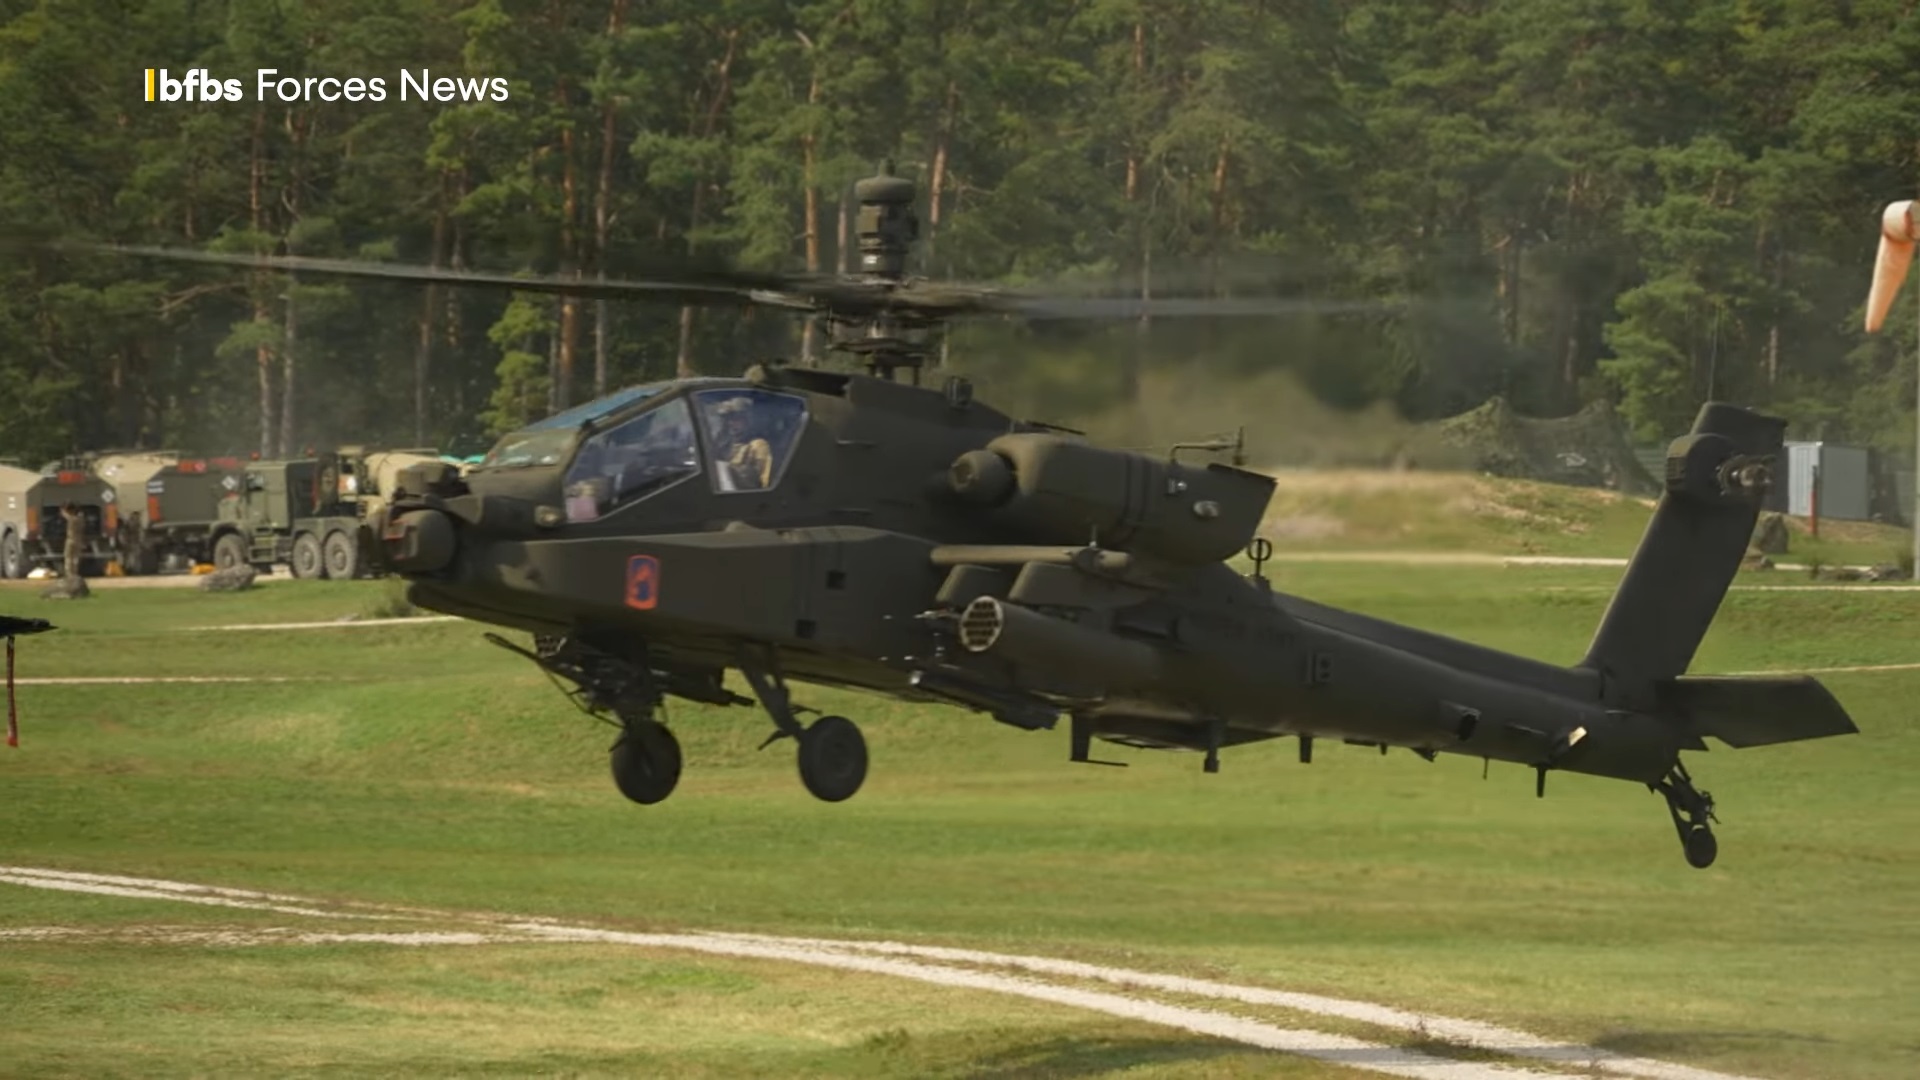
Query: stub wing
1759, 710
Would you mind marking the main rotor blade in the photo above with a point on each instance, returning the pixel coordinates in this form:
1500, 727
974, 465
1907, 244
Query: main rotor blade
1249, 307
699, 286
914, 302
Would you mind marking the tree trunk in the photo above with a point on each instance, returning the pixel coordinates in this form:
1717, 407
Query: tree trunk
1139, 76
1773, 328
1510, 287
810, 193
602, 199
297, 130
262, 356
1135, 359
842, 240
936, 186
569, 256
423, 347
456, 260
1218, 198
553, 359
683, 363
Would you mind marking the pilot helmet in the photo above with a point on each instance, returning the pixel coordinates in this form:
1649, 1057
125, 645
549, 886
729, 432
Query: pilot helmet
733, 406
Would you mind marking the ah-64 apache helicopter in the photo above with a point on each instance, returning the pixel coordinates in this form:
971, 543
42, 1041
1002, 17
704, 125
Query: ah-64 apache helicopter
860, 530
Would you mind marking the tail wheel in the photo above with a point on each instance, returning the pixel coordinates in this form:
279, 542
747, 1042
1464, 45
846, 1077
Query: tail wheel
230, 551
307, 560
342, 557
13, 557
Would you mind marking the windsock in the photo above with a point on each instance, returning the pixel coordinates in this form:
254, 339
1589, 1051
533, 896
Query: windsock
1898, 232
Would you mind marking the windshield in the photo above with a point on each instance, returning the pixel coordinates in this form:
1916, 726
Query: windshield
752, 433
545, 442
598, 407
631, 461
525, 448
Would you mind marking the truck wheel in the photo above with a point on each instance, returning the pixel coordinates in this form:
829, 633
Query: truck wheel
13, 558
343, 558
308, 561
230, 551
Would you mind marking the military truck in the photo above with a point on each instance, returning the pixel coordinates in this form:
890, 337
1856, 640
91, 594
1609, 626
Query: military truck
229, 511
128, 471
185, 506
33, 531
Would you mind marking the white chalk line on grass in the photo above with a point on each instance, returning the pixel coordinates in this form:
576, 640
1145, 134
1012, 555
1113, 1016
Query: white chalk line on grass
1472, 1033
239, 936
1322, 1046
914, 962
45, 880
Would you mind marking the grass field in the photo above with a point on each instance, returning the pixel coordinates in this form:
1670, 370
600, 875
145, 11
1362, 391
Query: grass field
1429, 511
418, 765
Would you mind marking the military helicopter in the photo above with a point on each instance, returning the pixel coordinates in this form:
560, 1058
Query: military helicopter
853, 528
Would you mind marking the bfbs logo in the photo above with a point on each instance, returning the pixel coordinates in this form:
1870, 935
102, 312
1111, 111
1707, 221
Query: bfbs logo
196, 85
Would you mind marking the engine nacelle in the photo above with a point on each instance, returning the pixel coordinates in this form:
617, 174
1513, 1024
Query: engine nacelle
1059, 491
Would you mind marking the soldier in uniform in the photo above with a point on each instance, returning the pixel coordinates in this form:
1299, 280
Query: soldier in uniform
76, 537
748, 459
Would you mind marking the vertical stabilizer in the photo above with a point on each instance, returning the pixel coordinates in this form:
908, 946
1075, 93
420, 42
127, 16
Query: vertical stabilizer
1716, 478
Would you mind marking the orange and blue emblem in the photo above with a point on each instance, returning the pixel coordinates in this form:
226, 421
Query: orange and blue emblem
643, 582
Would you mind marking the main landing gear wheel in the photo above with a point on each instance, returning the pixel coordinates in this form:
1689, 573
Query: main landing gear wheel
1691, 810
646, 761
833, 753
833, 758
1700, 847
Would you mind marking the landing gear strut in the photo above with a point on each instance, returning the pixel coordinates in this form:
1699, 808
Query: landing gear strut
1692, 809
645, 759
833, 753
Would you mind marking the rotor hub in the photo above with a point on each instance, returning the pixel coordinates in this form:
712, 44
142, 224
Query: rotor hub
886, 224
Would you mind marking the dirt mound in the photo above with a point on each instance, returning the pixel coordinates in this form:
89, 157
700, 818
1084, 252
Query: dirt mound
1587, 449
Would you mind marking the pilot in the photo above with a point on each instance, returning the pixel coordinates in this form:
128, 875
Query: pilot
749, 459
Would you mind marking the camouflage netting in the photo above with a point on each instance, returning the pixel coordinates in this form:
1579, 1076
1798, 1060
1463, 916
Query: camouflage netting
1587, 449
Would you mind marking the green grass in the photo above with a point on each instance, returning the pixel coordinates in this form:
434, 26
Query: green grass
550, 1010
437, 770
1420, 511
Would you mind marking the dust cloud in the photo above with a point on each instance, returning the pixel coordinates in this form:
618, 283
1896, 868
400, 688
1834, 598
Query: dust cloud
1286, 425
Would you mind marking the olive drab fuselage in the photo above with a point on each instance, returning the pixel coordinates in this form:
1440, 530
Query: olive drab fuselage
919, 544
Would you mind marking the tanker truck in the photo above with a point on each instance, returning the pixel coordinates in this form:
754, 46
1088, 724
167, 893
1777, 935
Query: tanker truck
229, 511
33, 531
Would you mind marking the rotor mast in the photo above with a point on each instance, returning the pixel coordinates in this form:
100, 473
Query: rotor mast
887, 227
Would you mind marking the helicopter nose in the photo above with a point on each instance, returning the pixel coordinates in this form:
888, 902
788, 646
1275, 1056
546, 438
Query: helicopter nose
416, 541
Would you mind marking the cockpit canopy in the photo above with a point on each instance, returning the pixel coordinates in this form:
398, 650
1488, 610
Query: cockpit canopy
628, 445
545, 442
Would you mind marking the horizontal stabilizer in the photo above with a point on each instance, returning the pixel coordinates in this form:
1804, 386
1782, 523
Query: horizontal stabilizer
1758, 711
